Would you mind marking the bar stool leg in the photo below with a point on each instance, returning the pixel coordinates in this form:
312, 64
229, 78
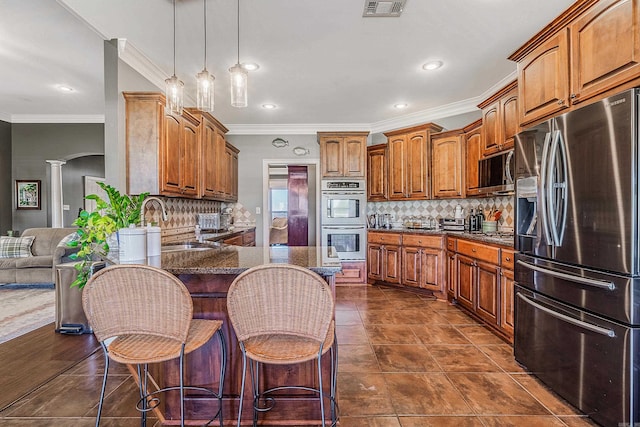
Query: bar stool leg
320, 386
244, 377
223, 369
104, 382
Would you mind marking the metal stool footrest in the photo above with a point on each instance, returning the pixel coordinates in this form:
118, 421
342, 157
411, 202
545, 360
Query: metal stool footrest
272, 400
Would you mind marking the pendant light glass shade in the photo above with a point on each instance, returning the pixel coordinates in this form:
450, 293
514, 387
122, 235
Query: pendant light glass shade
204, 91
239, 80
174, 93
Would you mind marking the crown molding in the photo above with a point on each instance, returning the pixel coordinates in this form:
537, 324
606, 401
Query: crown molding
5, 117
295, 129
57, 118
499, 85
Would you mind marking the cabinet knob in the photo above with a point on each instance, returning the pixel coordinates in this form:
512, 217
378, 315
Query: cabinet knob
561, 102
473, 249
508, 258
573, 96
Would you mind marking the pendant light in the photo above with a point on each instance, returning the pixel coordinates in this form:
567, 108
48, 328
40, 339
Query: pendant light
204, 80
174, 89
239, 77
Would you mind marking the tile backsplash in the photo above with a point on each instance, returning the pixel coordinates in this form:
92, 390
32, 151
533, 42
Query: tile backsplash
444, 208
182, 214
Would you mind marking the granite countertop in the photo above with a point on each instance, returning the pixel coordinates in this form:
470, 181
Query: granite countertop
226, 259
504, 239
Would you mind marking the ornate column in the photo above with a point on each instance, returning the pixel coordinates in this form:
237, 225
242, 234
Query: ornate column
56, 193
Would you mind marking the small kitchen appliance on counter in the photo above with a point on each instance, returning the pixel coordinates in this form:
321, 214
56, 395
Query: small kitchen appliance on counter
210, 222
452, 224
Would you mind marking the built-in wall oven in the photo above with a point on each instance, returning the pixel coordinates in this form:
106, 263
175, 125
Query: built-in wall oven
349, 241
343, 202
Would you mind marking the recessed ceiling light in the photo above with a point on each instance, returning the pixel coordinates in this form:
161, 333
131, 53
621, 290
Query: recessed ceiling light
400, 106
250, 66
64, 88
269, 106
433, 65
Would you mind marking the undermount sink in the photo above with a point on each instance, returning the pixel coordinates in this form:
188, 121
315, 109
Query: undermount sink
189, 246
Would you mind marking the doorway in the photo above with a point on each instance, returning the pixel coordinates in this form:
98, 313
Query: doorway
289, 185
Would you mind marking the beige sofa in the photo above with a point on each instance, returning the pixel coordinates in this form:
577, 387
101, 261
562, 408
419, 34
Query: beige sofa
38, 268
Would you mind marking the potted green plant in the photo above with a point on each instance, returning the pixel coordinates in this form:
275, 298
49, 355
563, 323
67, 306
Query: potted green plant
96, 228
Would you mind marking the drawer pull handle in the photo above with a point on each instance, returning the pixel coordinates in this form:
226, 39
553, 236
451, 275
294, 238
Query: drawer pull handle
507, 258
473, 249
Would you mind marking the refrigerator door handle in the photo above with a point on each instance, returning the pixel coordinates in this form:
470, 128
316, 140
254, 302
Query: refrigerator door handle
507, 170
603, 284
588, 326
543, 187
557, 191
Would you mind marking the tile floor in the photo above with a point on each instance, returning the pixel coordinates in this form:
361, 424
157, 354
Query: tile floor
404, 361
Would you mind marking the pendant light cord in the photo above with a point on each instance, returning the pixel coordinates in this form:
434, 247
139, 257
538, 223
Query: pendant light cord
238, 31
174, 37
205, 33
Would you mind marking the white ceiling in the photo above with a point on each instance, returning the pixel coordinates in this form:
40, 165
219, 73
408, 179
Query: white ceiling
320, 61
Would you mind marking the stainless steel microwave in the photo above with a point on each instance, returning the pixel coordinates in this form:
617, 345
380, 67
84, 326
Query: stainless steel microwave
495, 174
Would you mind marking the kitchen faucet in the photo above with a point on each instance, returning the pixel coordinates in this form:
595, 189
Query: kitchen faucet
160, 202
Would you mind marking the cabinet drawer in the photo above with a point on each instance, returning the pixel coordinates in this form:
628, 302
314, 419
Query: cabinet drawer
422, 241
451, 244
506, 259
385, 238
479, 251
249, 238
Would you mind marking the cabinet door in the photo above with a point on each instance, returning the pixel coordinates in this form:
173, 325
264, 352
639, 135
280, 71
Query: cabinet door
417, 166
221, 166
487, 288
391, 264
605, 48
432, 269
397, 169
506, 301
474, 141
491, 129
543, 79
377, 173
354, 156
190, 158
208, 138
170, 157
374, 261
332, 160
235, 240
509, 119
452, 274
466, 268
234, 176
447, 167
411, 266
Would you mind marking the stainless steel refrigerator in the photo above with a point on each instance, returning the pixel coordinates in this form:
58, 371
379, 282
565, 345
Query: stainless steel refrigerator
577, 312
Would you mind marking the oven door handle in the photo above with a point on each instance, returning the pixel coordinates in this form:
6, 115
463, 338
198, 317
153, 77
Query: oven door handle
588, 326
577, 279
343, 193
342, 227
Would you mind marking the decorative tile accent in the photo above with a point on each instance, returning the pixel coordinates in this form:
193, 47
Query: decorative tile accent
242, 216
444, 208
182, 214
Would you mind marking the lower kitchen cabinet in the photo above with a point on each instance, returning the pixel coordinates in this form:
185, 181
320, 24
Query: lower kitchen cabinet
391, 268
352, 272
242, 238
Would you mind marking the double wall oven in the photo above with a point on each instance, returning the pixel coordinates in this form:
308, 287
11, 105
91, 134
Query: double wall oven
344, 217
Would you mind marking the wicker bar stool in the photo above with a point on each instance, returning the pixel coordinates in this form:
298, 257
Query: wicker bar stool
142, 315
283, 314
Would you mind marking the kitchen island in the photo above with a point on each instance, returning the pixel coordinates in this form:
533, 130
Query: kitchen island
208, 273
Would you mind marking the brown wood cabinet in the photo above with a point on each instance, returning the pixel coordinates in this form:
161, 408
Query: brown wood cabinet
473, 145
343, 154
500, 120
384, 257
242, 238
377, 173
506, 291
409, 172
448, 164
352, 272
589, 51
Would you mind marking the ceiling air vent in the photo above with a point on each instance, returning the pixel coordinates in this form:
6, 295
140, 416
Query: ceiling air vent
378, 8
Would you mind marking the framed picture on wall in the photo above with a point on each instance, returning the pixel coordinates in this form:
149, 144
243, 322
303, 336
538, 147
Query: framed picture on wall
28, 194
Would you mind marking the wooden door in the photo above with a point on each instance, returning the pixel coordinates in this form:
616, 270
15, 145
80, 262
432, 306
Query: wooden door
411, 266
354, 156
208, 138
474, 141
170, 155
487, 292
417, 166
332, 157
374, 261
543, 79
605, 48
397, 167
190, 157
432, 269
491, 129
391, 264
377, 172
506, 301
298, 206
466, 269
452, 274
447, 166
509, 127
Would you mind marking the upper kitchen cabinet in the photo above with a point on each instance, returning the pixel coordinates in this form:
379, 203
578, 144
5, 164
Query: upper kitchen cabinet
343, 154
448, 164
377, 172
473, 143
589, 51
500, 120
162, 148
409, 163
